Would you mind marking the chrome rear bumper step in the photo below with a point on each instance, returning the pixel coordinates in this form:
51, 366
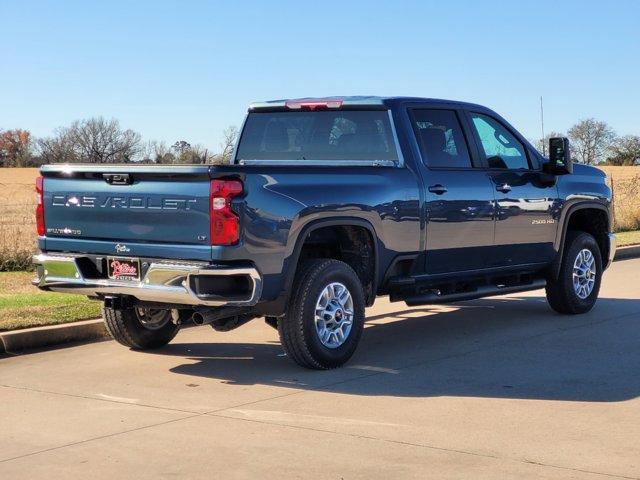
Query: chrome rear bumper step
163, 282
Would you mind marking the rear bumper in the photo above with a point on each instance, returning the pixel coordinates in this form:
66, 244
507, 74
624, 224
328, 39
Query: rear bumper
163, 282
612, 249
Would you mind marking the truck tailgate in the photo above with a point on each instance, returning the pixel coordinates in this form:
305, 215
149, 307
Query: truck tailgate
147, 205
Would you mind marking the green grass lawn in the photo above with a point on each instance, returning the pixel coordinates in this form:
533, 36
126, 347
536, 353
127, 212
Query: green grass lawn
23, 305
628, 238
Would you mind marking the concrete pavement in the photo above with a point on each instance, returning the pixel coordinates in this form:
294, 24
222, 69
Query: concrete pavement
493, 388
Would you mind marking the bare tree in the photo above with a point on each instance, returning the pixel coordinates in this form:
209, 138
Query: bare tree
189, 154
542, 144
196, 154
625, 151
200, 154
98, 140
590, 140
57, 149
95, 140
157, 152
229, 138
181, 146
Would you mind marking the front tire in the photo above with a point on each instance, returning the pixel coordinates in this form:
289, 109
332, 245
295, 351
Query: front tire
576, 288
325, 317
140, 328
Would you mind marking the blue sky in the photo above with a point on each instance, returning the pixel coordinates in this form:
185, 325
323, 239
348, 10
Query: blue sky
186, 69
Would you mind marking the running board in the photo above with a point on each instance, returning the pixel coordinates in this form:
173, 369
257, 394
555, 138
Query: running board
479, 292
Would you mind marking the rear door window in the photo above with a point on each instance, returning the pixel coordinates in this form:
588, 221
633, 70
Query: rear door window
318, 135
439, 135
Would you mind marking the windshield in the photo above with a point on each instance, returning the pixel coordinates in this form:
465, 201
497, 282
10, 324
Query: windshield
317, 135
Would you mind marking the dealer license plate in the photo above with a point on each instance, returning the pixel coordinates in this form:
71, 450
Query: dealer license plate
119, 268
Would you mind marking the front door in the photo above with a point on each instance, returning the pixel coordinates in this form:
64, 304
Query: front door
459, 195
525, 196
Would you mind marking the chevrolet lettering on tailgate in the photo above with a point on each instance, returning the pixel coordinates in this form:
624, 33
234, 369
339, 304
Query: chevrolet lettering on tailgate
151, 203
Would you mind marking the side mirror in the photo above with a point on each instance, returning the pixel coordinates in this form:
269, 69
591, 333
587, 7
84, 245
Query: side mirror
559, 157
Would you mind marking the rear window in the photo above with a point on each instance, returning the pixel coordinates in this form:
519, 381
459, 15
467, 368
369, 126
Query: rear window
318, 135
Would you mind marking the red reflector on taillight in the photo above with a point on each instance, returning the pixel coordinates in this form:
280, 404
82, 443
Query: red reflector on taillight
312, 104
224, 223
40, 206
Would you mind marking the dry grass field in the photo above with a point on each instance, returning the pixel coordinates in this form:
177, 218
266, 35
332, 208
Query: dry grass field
626, 196
17, 199
621, 173
17, 223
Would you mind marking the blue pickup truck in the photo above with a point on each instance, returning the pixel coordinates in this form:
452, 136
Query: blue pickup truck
327, 204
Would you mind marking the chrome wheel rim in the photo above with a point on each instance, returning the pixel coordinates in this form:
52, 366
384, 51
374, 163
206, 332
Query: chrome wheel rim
152, 318
334, 315
584, 273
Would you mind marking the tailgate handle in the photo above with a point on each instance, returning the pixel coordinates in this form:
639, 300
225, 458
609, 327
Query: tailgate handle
117, 178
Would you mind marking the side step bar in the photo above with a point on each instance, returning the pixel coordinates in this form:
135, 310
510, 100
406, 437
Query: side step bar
479, 292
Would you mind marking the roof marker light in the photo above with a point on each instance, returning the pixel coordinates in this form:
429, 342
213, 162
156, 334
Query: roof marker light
312, 104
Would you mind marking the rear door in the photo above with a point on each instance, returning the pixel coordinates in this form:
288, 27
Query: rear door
525, 196
459, 196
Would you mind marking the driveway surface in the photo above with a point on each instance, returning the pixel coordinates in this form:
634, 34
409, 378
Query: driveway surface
492, 388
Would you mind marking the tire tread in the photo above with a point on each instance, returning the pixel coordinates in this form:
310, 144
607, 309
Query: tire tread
124, 328
560, 294
291, 326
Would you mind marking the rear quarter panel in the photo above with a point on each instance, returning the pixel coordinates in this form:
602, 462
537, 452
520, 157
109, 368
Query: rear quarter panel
281, 201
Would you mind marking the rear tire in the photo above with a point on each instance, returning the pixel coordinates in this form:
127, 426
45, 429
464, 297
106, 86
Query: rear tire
325, 317
576, 288
140, 329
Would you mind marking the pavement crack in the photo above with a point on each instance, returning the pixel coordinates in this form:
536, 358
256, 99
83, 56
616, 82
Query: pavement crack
101, 437
98, 399
425, 446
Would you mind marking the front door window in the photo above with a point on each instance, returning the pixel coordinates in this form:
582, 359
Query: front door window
501, 148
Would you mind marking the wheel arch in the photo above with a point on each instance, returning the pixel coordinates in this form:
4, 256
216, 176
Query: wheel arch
290, 265
579, 209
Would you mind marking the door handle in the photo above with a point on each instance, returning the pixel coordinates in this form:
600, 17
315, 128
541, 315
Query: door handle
438, 189
504, 188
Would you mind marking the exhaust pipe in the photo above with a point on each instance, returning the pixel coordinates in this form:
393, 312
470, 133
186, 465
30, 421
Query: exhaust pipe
222, 319
203, 317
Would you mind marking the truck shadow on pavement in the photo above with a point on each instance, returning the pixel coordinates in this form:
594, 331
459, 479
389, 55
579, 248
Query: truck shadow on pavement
502, 348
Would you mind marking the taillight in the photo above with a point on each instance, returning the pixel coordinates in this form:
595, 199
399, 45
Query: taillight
225, 224
40, 206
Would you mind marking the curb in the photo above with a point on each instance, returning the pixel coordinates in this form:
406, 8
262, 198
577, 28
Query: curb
94, 330
632, 251
84, 331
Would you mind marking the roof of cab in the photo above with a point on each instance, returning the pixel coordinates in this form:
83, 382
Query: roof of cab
359, 100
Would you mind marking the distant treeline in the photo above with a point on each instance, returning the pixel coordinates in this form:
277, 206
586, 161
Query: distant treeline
99, 140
